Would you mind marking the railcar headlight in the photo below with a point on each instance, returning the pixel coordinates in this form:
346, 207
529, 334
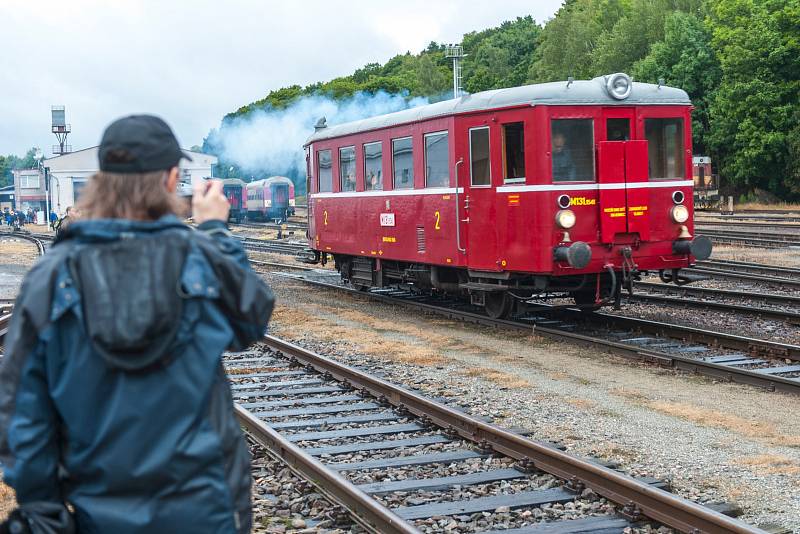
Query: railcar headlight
565, 219
679, 213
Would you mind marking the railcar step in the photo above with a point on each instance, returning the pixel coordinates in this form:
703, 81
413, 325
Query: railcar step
779, 370
330, 421
279, 383
377, 445
403, 461
484, 504
442, 483
319, 410
310, 400
353, 432
599, 524
287, 392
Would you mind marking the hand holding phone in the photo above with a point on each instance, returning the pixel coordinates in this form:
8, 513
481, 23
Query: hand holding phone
209, 203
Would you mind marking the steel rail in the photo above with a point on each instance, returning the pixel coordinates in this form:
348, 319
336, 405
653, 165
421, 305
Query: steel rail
367, 510
781, 315
641, 498
759, 268
733, 275
705, 292
33, 239
682, 363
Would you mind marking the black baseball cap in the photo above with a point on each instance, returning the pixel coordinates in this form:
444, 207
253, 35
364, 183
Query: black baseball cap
139, 143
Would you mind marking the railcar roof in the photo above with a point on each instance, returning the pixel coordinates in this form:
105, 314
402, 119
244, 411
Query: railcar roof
270, 180
580, 92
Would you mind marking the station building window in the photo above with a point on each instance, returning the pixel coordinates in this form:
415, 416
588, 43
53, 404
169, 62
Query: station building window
324, 171
403, 163
437, 157
347, 168
572, 142
665, 148
373, 166
480, 170
514, 152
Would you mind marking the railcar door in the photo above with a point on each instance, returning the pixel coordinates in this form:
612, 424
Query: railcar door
623, 177
479, 201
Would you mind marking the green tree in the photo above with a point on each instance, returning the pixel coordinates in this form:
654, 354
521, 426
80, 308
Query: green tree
685, 59
630, 39
432, 78
569, 40
754, 114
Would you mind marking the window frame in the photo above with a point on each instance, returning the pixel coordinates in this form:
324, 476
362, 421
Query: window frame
681, 163
319, 173
522, 179
488, 157
27, 178
592, 120
425, 137
355, 170
366, 178
394, 173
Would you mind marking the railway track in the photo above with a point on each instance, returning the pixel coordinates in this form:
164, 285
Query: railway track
768, 364
41, 243
337, 425
784, 277
756, 239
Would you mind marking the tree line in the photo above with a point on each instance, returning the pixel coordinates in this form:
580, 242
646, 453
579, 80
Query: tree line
739, 61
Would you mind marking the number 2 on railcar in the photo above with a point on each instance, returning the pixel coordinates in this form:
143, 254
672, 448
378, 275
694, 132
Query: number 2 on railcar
570, 188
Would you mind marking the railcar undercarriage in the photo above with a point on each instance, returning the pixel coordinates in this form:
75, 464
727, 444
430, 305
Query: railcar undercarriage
498, 293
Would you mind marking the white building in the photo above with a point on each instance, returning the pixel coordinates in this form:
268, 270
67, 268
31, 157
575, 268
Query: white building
70, 172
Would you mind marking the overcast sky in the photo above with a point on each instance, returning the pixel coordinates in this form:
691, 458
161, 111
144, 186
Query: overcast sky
192, 61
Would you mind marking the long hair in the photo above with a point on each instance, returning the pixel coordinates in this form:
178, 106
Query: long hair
142, 197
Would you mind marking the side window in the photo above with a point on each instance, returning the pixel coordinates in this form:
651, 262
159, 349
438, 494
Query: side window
572, 150
514, 152
347, 168
479, 156
373, 161
403, 163
664, 148
437, 156
324, 171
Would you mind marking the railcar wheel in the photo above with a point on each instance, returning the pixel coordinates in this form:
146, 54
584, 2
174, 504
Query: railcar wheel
498, 304
586, 301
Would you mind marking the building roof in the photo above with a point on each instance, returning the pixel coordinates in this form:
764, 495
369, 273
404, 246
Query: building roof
86, 160
579, 92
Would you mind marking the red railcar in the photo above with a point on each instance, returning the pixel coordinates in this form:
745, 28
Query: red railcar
234, 191
551, 189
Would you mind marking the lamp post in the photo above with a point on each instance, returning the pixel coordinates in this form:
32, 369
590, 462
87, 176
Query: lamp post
43, 171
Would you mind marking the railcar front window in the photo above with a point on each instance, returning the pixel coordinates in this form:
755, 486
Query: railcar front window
324, 171
403, 163
479, 156
572, 142
347, 168
665, 148
514, 152
373, 161
437, 157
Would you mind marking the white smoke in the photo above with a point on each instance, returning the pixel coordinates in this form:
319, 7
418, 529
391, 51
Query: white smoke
272, 140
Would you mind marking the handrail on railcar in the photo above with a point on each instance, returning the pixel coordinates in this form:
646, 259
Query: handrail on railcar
458, 217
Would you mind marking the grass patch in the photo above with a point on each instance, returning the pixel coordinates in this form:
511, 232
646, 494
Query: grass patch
734, 423
770, 464
493, 375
